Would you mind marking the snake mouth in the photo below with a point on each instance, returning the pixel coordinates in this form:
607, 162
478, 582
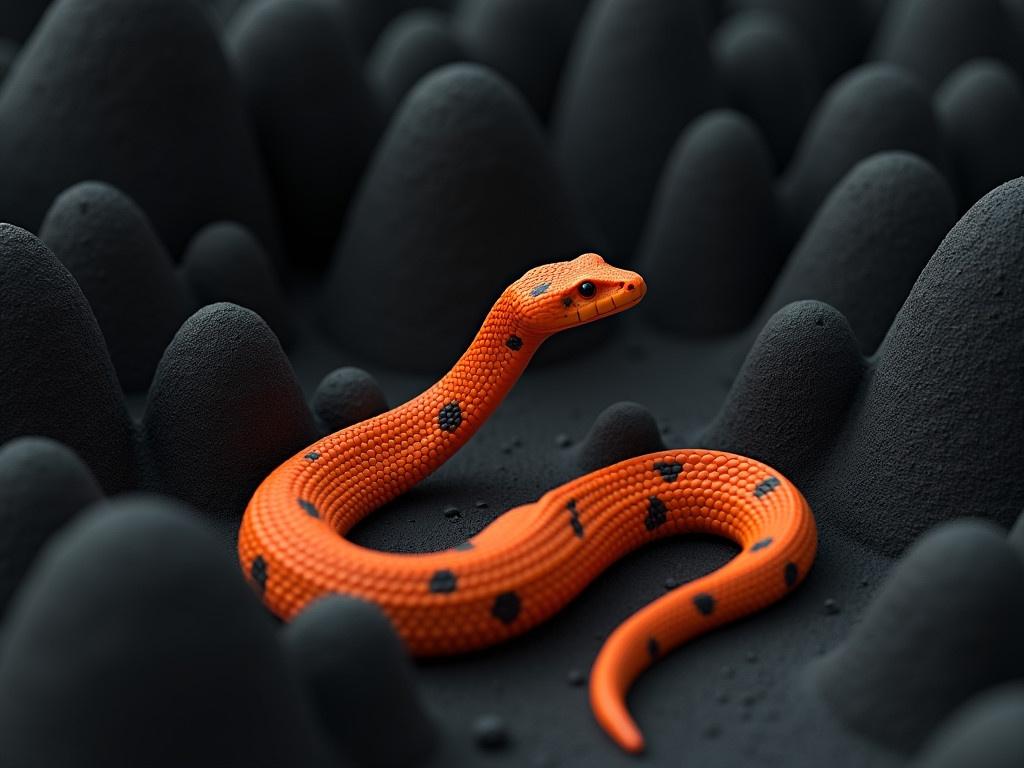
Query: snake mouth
620, 301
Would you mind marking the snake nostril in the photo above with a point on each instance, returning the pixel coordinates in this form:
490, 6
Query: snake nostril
629, 287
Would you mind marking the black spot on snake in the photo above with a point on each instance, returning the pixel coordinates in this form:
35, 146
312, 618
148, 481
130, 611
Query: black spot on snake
449, 417
506, 607
574, 518
538, 290
766, 487
308, 506
442, 581
311, 456
463, 546
791, 573
653, 649
705, 603
669, 470
514, 343
761, 544
258, 572
657, 513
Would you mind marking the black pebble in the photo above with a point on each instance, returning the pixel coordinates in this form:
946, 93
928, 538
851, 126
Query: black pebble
224, 410
43, 485
347, 396
494, 201
63, 385
314, 117
620, 431
615, 156
134, 638
713, 233
412, 45
66, 119
361, 683
948, 623
225, 262
562, 440
107, 243
576, 677
490, 732
831, 606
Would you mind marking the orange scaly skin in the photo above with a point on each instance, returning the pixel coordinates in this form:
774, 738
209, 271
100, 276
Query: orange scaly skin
533, 559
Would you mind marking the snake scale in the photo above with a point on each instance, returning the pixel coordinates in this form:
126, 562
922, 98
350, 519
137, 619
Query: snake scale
535, 558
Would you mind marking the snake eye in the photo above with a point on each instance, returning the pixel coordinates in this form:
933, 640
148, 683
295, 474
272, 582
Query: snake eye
587, 289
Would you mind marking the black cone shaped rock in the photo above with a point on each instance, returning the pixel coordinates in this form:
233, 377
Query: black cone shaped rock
413, 44
870, 109
713, 244
837, 31
868, 242
225, 262
43, 484
361, 682
527, 41
621, 431
314, 116
223, 411
792, 394
939, 383
170, 130
981, 108
56, 378
983, 733
769, 74
651, 61
136, 639
461, 199
948, 623
931, 38
109, 246
346, 396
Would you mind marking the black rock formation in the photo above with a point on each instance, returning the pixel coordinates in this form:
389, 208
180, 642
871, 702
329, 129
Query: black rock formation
651, 61
314, 116
1016, 537
793, 391
43, 485
931, 38
8, 53
225, 262
870, 109
712, 246
769, 74
413, 44
983, 733
948, 623
420, 263
169, 130
837, 31
56, 378
981, 109
621, 431
108, 245
361, 683
527, 41
134, 640
868, 242
347, 396
19, 17
223, 411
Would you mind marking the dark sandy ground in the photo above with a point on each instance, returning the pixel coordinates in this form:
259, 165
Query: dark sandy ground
237, 226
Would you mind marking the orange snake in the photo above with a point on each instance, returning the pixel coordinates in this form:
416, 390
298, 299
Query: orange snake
535, 558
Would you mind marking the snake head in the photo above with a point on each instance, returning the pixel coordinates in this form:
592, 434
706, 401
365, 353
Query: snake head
553, 297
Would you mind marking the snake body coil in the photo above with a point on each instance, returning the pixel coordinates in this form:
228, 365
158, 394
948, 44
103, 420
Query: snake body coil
533, 559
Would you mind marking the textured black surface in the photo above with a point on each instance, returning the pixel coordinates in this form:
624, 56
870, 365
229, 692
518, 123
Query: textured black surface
846, 343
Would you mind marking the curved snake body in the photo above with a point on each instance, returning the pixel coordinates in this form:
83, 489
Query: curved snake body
535, 558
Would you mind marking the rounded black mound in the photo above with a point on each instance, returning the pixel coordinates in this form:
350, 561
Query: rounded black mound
346, 396
223, 411
66, 119
712, 243
108, 245
43, 484
56, 378
314, 117
361, 682
948, 623
461, 199
984, 733
621, 431
135, 641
